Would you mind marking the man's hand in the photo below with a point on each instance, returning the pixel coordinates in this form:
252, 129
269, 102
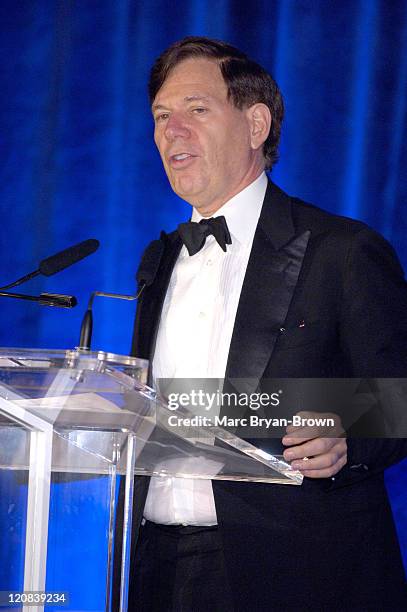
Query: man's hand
316, 451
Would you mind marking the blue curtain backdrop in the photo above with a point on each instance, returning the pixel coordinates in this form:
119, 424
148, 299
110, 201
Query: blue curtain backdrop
77, 155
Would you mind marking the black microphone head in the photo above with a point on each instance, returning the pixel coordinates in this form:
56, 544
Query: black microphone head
69, 256
56, 299
150, 262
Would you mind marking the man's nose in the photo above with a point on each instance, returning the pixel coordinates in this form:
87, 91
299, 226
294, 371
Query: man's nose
176, 127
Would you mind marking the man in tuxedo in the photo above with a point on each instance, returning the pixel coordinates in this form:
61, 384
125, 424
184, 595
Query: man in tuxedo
262, 286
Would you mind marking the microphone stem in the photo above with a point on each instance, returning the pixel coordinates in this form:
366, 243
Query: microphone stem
85, 339
21, 280
86, 331
140, 290
45, 299
20, 296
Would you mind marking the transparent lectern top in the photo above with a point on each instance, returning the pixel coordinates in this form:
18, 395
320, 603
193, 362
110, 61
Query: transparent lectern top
95, 402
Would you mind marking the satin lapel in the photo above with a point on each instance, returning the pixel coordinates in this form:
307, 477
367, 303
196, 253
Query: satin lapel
271, 277
149, 312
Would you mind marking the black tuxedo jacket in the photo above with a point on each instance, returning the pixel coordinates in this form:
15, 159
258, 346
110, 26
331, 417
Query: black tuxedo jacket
329, 544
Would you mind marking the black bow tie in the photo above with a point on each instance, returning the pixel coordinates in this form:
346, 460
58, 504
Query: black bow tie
193, 235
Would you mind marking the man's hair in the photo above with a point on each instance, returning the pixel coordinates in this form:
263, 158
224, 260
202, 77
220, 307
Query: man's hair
247, 82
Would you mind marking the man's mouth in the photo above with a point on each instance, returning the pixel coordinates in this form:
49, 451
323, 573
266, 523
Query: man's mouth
181, 159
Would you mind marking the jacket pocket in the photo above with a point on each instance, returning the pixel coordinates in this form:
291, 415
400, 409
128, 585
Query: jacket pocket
292, 337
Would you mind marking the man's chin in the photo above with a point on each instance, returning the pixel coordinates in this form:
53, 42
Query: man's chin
189, 192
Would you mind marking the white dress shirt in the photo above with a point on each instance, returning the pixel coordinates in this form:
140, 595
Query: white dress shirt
199, 311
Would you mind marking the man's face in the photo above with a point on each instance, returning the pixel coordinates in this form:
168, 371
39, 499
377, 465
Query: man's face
204, 141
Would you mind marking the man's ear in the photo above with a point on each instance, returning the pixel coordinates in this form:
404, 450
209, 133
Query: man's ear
259, 118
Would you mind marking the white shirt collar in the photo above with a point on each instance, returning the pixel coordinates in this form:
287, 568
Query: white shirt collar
242, 212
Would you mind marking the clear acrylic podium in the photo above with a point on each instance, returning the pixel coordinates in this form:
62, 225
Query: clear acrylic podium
75, 428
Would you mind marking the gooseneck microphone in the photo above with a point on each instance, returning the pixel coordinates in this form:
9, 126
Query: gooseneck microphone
45, 299
145, 276
52, 265
85, 338
58, 262
148, 268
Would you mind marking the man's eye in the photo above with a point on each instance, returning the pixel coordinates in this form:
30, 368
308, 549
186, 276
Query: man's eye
199, 110
162, 117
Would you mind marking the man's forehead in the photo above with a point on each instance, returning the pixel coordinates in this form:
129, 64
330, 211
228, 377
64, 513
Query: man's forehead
186, 99
193, 79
